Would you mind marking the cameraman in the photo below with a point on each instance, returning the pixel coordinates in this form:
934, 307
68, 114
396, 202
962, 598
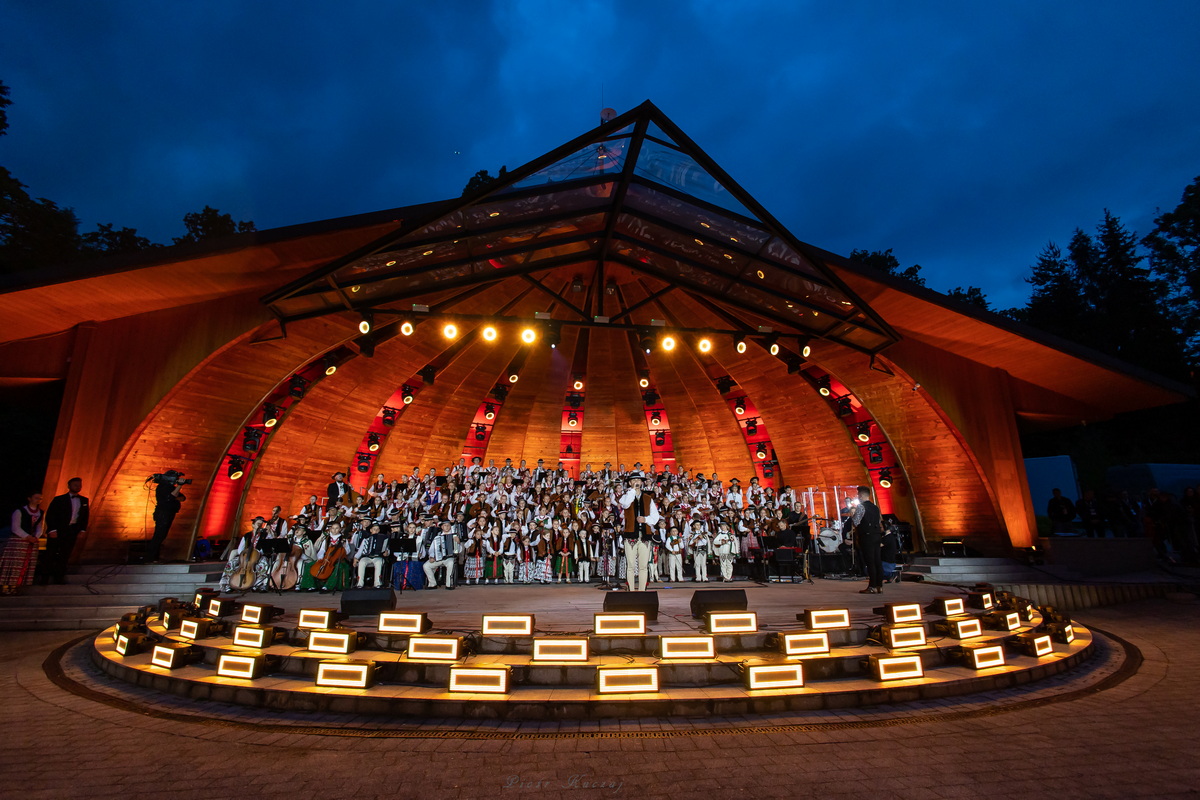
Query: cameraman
167, 501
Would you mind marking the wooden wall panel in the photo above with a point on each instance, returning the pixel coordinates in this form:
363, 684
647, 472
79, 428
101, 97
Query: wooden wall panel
188, 429
604, 382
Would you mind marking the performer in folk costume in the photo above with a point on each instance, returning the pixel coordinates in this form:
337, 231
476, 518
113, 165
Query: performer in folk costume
476, 552
564, 553
673, 546
493, 568
440, 551
526, 558
372, 550
407, 572
640, 517
544, 547
723, 546
657, 553
698, 548
236, 551
509, 548
587, 543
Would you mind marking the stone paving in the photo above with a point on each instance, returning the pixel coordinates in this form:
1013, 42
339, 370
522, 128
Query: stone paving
1133, 739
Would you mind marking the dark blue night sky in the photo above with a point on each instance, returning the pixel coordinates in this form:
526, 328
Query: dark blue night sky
963, 135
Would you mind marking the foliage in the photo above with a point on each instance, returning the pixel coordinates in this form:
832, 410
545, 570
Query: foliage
5, 102
972, 294
886, 262
1174, 253
210, 224
482, 179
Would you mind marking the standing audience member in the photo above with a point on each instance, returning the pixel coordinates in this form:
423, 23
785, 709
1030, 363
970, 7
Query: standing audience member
20, 551
1090, 515
1061, 511
66, 518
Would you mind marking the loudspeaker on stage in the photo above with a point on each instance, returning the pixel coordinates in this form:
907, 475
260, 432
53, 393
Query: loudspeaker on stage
706, 600
364, 602
632, 602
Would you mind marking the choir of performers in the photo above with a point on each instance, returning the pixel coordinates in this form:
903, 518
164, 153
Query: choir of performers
512, 524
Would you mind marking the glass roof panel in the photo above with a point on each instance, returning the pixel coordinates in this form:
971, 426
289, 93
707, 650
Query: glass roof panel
602, 158
695, 218
680, 171
652, 129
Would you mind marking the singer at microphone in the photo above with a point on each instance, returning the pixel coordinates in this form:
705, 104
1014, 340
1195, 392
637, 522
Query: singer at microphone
641, 515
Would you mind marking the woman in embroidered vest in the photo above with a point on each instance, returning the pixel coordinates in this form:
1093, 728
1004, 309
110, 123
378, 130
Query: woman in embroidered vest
20, 551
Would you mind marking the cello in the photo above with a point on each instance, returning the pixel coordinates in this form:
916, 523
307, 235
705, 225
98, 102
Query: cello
243, 579
323, 567
286, 573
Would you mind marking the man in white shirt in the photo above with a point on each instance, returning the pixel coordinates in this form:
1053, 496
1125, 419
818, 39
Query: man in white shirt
641, 515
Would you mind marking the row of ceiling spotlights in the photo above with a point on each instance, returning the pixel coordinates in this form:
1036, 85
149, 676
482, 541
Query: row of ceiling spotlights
530, 334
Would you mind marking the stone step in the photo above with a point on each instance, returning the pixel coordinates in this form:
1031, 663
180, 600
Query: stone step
108, 595
181, 568
954, 569
961, 561
100, 580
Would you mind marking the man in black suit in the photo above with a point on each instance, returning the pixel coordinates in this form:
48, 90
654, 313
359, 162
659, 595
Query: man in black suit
66, 518
336, 491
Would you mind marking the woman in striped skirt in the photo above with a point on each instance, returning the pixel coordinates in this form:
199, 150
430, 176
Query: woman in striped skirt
20, 551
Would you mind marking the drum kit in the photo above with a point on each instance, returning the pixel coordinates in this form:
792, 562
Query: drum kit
835, 542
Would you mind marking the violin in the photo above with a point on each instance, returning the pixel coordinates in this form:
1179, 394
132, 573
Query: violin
322, 568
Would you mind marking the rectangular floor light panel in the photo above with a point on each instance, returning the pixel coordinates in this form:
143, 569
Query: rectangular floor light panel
340, 642
560, 648
508, 624
775, 676
223, 607
962, 627
347, 674
254, 635
894, 668
626, 680
948, 606
245, 666
732, 622
899, 613
403, 622
170, 655
687, 647
804, 643
984, 656
435, 648
619, 624
824, 619
1034, 644
318, 619
486, 680
195, 628
896, 637
256, 613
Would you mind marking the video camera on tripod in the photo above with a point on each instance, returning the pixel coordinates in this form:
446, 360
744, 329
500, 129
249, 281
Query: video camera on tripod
169, 478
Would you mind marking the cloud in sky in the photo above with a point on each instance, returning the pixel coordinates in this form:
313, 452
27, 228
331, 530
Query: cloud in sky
963, 136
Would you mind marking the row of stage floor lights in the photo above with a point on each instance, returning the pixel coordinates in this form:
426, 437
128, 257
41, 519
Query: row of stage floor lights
207, 616
551, 333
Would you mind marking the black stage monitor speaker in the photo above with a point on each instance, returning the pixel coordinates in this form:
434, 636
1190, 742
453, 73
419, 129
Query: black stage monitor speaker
706, 600
365, 602
632, 602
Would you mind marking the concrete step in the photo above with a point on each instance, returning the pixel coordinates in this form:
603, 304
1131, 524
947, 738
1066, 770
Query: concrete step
99, 580
948, 561
182, 568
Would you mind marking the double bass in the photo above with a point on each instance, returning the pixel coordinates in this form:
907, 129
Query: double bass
243, 579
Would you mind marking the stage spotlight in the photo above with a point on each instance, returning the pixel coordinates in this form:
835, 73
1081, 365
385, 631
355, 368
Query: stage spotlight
363, 462
428, 373
271, 414
823, 386
450, 330
739, 344
406, 394
875, 454
578, 384
761, 450
373, 442
864, 431
885, 478
768, 469
574, 401
646, 342
772, 343
704, 345
489, 333
643, 382
805, 344
655, 419
250, 439
572, 420
751, 427
725, 384
480, 432
366, 322
528, 335
660, 439
237, 468
513, 377
489, 411
668, 343
577, 285
330, 364
500, 391
407, 327
553, 336
650, 398
845, 406
388, 416
739, 407
296, 386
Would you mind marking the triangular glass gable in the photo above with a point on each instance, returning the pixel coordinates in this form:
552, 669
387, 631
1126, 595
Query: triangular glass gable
677, 170
595, 160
